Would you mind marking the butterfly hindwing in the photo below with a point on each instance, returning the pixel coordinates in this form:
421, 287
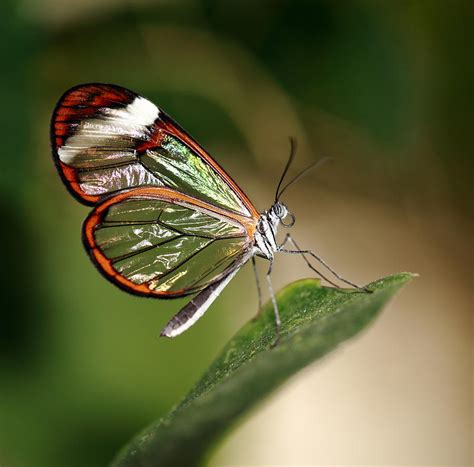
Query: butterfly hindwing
158, 242
106, 139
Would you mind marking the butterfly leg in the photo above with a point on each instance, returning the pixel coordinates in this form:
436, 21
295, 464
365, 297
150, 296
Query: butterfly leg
303, 253
259, 289
289, 238
275, 305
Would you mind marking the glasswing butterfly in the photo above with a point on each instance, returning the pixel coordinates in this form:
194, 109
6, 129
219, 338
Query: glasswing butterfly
167, 220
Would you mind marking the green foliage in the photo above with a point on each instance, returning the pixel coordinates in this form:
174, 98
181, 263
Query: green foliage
315, 320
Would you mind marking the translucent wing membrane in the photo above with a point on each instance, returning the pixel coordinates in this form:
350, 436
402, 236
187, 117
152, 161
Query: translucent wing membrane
107, 139
156, 241
180, 168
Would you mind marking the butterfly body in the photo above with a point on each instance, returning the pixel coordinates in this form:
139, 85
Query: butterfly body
167, 220
266, 244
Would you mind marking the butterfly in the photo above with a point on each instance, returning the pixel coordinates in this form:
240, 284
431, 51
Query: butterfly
167, 220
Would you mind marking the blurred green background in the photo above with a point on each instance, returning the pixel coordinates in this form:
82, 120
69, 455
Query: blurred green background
384, 87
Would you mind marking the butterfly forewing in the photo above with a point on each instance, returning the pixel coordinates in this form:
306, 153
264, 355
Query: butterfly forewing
106, 139
156, 241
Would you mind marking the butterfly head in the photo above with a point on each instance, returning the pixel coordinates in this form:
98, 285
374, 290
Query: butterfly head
282, 215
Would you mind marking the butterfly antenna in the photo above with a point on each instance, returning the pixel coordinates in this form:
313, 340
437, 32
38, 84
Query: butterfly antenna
304, 172
287, 166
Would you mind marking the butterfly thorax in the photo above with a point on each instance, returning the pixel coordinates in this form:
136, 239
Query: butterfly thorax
265, 235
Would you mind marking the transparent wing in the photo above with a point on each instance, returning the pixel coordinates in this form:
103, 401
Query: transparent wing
106, 139
156, 241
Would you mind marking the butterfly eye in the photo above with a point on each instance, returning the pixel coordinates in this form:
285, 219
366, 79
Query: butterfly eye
280, 210
289, 220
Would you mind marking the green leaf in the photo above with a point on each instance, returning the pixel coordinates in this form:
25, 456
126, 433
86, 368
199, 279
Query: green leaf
315, 320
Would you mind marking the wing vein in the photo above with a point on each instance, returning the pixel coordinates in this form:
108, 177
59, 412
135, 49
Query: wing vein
182, 262
142, 250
